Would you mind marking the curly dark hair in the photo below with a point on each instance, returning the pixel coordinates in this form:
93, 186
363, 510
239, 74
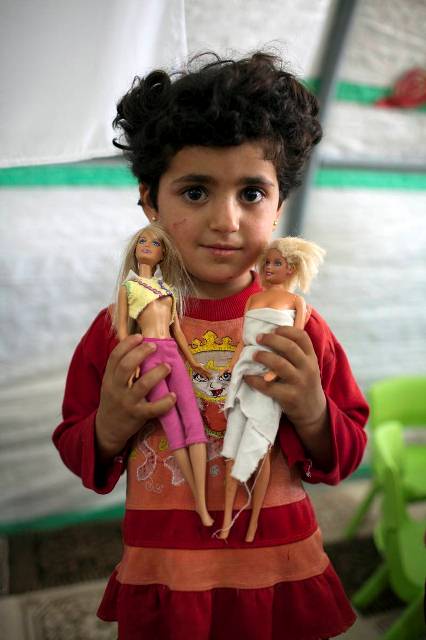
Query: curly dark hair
218, 103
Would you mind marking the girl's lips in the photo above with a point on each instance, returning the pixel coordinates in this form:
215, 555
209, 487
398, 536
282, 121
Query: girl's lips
220, 250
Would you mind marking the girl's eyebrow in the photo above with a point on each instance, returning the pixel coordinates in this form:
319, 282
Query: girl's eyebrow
205, 179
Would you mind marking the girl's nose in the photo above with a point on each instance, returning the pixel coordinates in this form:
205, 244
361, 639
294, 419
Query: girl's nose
225, 217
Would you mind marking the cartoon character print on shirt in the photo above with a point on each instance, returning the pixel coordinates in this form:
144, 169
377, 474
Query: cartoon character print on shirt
155, 451
214, 354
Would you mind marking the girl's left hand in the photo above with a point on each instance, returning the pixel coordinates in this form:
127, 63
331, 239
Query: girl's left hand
297, 387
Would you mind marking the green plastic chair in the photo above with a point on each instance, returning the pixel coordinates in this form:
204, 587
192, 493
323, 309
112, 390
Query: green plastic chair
399, 539
403, 399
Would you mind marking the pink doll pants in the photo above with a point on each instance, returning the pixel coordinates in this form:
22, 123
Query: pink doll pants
182, 424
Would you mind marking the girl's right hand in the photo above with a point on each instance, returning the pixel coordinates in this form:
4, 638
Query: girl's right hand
122, 410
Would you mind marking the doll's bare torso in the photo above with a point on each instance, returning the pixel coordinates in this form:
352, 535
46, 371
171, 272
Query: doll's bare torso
154, 320
278, 297
273, 298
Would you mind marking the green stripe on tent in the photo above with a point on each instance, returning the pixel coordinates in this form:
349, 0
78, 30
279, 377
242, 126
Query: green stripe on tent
68, 175
61, 520
360, 93
369, 179
119, 176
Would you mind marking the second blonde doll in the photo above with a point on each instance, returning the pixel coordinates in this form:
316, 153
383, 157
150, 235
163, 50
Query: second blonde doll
253, 418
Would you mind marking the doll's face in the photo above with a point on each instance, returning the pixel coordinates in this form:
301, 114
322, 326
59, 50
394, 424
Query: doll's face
276, 269
149, 249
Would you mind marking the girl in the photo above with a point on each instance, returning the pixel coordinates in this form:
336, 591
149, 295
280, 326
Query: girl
252, 417
216, 150
150, 303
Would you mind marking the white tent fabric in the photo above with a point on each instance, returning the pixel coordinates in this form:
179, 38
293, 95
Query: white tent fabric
60, 246
65, 65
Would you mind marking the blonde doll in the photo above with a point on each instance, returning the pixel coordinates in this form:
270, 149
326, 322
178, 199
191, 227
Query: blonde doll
253, 418
148, 303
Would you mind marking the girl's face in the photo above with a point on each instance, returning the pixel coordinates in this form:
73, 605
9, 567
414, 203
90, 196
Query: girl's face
149, 249
219, 206
276, 269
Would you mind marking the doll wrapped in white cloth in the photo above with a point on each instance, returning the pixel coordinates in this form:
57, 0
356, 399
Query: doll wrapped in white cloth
252, 417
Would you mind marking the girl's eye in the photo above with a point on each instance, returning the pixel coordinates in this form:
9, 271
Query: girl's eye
267, 263
195, 194
142, 240
156, 243
252, 194
278, 263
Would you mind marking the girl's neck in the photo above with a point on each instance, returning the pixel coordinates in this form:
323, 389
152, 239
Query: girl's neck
217, 291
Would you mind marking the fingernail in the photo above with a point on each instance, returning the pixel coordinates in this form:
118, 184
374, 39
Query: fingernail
259, 337
173, 395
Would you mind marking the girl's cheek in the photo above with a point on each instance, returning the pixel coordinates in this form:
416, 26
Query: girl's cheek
179, 224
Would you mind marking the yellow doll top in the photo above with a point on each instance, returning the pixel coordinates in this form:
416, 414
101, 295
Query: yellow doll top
141, 291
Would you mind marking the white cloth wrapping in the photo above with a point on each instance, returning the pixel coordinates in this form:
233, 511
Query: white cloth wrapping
253, 418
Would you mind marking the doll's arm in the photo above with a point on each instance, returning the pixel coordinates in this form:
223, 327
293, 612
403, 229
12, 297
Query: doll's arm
300, 307
240, 345
123, 327
235, 356
122, 313
183, 346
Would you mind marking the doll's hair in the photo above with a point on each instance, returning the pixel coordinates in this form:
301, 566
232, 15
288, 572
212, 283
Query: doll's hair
304, 256
215, 102
173, 270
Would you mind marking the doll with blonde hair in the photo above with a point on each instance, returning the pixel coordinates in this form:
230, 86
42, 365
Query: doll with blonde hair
253, 418
149, 304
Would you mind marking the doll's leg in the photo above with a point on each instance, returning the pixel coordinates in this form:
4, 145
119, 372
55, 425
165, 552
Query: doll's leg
198, 457
171, 424
234, 432
259, 491
231, 487
186, 402
193, 434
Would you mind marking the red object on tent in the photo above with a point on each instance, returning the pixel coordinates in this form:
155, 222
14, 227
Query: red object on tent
409, 91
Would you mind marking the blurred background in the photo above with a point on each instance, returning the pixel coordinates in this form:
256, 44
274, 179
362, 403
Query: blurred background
68, 201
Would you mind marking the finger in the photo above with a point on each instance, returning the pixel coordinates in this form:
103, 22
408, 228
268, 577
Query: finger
158, 408
123, 347
276, 363
128, 364
285, 347
298, 336
281, 392
258, 383
143, 385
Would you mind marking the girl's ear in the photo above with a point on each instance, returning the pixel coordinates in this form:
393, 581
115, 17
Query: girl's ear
146, 203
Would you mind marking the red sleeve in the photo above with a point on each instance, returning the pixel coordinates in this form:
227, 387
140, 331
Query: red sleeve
75, 436
347, 409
